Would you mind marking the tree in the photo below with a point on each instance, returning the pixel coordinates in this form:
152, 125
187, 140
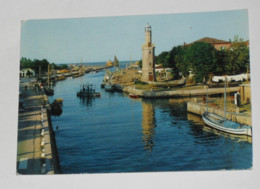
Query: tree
237, 59
182, 60
35, 64
140, 63
25, 63
203, 60
221, 56
160, 58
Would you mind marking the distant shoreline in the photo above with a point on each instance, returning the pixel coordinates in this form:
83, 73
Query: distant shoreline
95, 63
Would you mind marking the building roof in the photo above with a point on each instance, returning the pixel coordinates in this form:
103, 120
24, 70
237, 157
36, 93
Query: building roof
211, 40
25, 69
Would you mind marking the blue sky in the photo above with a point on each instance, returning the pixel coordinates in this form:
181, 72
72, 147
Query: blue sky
99, 39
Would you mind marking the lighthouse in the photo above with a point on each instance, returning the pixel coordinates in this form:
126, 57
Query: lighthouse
148, 72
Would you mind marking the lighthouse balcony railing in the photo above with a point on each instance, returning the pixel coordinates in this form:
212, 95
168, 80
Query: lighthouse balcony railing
148, 45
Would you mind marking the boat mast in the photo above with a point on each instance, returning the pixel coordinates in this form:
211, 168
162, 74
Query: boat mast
225, 98
48, 79
207, 100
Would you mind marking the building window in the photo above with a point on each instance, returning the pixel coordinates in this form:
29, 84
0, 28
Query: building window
150, 63
150, 52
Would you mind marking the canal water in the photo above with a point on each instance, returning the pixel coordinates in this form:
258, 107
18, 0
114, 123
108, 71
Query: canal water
115, 133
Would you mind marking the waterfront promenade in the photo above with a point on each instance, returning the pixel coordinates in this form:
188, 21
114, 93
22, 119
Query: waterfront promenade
34, 151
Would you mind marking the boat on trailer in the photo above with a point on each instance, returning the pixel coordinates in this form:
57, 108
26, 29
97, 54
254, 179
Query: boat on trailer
223, 124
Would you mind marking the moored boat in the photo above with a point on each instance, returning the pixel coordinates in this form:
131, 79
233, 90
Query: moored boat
108, 87
48, 91
133, 95
222, 124
87, 90
56, 108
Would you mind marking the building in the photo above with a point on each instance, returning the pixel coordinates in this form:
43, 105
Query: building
245, 91
27, 72
148, 71
217, 43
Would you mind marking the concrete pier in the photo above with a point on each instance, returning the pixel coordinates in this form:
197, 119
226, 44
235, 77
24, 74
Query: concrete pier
200, 108
35, 146
181, 92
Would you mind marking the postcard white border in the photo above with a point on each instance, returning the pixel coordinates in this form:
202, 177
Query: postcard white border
11, 14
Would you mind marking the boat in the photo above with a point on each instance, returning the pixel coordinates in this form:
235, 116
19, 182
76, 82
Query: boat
116, 62
102, 85
223, 124
77, 75
87, 90
48, 91
108, 87
59, 100
60, 77
133, 95
56, 108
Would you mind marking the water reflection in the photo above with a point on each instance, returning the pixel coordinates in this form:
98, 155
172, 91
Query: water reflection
148, 124
86, 101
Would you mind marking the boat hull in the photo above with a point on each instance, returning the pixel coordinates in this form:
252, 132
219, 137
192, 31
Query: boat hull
132, 95
221, 124
108, 87
82, 94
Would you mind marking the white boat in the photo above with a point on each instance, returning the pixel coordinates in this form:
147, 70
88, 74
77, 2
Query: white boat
223, 124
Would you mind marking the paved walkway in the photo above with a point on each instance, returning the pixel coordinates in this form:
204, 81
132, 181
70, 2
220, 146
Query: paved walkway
33, 146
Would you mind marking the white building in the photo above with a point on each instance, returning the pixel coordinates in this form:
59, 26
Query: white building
25, 72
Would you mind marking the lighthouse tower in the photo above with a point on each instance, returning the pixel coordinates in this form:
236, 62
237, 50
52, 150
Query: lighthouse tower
148, 73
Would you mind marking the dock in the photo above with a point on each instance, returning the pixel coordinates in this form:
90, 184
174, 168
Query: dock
199, 108
36, 148
175, 93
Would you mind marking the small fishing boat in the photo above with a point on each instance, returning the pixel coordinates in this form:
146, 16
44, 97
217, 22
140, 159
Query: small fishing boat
87, 90
133, 95
223, 124
102, 85
59, 100
108, 87
48, 91
77, 75
56, 108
